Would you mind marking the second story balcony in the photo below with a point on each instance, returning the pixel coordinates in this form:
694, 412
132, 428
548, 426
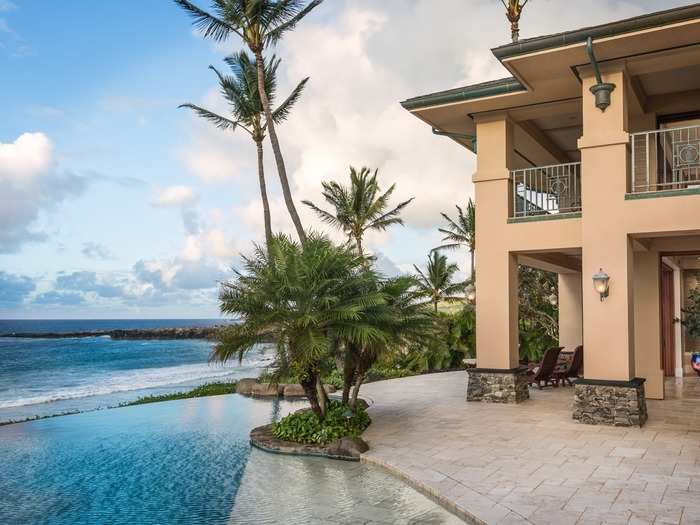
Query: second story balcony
546, 190
665, 160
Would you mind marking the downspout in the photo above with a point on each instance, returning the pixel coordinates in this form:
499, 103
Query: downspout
460, 136
601, 89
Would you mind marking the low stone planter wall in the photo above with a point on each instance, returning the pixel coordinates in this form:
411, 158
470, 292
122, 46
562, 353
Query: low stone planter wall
346, 449
250, 386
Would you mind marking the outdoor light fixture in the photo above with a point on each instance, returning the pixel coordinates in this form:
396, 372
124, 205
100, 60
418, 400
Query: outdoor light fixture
348, 414
600, 283
601, 90
471, 293
553, 299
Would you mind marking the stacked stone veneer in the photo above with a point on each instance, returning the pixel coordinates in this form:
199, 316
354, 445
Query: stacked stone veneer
497, 386
618, 403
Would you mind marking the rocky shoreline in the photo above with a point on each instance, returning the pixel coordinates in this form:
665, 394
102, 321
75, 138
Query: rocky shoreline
204, 332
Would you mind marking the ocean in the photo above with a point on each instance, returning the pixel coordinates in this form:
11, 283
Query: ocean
42, 377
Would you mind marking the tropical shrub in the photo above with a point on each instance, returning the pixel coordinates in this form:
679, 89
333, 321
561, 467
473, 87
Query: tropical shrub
306, 298
306, 427
691, 317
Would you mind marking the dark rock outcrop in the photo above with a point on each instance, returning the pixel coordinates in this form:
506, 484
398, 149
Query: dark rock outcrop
203, 332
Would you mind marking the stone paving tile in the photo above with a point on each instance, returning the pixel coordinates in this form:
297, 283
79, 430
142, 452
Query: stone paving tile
531, 463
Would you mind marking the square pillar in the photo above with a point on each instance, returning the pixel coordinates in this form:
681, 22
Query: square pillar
497, 377
647, 322
610, 383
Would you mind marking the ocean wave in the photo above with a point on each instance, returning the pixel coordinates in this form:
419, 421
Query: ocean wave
138, 380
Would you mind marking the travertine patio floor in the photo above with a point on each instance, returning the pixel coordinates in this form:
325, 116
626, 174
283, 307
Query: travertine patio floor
531, 463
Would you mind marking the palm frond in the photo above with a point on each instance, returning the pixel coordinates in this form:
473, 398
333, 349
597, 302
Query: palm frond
219, 121
210, 26
282, 112
277, 28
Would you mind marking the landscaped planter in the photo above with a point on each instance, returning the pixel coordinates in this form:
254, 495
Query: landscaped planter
347, 449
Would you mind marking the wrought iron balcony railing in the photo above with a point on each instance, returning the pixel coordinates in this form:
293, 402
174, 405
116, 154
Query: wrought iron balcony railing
665, 159
546, 190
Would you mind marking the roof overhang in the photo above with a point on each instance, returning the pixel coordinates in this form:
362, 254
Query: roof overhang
546, 70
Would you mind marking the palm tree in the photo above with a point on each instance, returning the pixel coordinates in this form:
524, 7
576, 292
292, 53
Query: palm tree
259, 24
437, 284
461, 232
359, 207
401, 319
306, 298
514, 8
241, 93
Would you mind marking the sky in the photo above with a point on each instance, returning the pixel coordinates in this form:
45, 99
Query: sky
114, 203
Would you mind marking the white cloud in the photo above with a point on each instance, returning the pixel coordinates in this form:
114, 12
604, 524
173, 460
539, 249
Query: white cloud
32, 185
175, 196
95, 250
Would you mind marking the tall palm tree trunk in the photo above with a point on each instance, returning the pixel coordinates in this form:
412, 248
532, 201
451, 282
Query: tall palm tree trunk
281, 169
471, 261
263, 194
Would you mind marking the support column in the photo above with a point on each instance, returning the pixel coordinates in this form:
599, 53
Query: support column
647, 322
497, 377
610, 392
570, 310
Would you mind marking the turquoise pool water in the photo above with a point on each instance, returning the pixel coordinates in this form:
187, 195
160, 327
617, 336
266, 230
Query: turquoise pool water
175, 462
187, 462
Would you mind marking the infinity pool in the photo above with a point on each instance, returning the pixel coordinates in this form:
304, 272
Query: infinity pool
183, 462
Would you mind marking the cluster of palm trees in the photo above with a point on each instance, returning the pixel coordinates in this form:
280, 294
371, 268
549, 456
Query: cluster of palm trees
260, 25
323, 304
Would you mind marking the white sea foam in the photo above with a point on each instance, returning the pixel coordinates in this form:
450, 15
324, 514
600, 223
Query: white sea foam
140, 379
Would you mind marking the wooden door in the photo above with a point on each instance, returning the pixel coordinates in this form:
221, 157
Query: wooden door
668, 340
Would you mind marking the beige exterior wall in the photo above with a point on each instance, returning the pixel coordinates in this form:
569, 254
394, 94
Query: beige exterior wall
570, 310
621, 335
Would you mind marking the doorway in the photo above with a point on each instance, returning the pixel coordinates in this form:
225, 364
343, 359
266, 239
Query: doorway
668, 339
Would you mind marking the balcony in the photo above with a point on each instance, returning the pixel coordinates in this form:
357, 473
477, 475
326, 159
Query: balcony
665, 160
546, 191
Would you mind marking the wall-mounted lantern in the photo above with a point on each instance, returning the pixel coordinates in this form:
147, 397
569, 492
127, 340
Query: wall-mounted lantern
601, 282
470, 293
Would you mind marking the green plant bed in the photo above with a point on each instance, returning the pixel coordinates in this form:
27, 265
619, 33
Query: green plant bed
305, 427
210, 389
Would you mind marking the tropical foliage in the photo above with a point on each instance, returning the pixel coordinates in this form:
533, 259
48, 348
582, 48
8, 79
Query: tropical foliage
259, 24
438, 283
307, 427
538, 322
359, 207
691, 313
307, 298
461, 233
240, 90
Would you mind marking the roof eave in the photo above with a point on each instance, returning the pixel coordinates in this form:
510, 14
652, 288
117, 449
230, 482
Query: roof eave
605, 30
501, 87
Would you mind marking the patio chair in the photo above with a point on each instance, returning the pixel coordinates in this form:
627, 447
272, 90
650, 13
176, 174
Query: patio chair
544, 372
572, 369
